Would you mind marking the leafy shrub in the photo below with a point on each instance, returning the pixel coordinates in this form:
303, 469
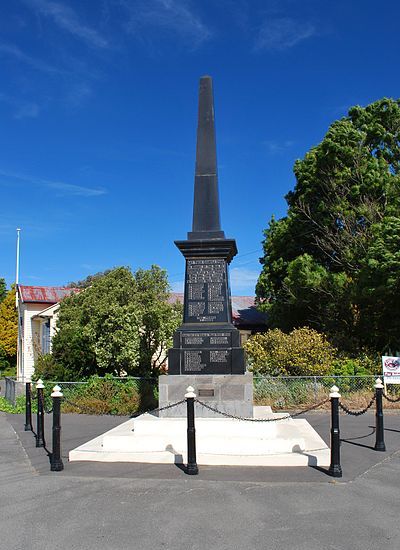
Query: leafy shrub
109, 395
47, 368
302, 352
18, 408
7, 364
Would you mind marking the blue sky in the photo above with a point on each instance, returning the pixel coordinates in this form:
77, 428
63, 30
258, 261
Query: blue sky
98, 108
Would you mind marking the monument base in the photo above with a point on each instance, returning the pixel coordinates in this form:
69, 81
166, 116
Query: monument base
219, 441
229, 393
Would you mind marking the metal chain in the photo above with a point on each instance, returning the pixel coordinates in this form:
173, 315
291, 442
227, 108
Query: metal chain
261, 419
167, 406
356, 413
82, 408
90, 411
391, 399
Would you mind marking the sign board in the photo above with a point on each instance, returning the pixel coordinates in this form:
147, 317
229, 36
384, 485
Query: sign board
391, 369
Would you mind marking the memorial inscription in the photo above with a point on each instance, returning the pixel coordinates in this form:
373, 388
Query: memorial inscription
206, 291
199, 361
205, 339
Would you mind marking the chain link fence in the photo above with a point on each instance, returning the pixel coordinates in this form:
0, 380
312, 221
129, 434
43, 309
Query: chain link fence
288, 392
131, 396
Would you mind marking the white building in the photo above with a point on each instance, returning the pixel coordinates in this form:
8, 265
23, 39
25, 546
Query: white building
37, 314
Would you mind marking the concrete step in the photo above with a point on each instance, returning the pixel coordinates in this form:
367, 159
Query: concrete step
218, 441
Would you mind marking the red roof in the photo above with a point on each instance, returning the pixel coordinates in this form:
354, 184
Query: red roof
244, 310
44, 294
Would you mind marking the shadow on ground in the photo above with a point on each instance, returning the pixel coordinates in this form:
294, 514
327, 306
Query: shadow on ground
357, 451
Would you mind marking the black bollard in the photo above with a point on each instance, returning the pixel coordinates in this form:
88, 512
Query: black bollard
28, 407
40, 415
379, 431
192, 468
56, 463
335, 469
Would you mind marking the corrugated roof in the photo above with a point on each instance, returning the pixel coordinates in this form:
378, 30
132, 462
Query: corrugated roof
44, 294
244, 311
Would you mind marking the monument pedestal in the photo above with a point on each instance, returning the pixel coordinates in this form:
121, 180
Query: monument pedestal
229, 393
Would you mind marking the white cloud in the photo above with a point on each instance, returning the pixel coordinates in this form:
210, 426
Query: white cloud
10, 50
172, 15
67, 19
283, 33
78, 94
275, 147
23, 109
61, 188
27, 110
243, 280
71, 189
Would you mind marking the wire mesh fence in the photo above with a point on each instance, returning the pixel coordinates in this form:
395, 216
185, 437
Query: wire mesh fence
130, 396
285, 392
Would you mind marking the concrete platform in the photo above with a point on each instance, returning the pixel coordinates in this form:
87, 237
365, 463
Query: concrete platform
224, 441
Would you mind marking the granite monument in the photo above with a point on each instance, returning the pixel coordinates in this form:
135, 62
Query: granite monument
206, 349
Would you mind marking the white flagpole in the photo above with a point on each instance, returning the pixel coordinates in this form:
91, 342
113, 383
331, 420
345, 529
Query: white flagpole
17, 266
20, 374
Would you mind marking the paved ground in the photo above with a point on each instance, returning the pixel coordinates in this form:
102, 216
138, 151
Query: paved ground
105, 506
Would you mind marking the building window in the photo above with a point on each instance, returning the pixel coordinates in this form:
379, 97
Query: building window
46, 337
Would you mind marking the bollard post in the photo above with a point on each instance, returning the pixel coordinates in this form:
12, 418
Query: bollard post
379, 431
335, 469
40, 414
56, 463
28, 407
192, 468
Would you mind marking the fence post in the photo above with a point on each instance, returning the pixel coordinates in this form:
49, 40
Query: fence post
40, 414
28, 407
335, 469
192, 468
56, 463
379, 431
315, 390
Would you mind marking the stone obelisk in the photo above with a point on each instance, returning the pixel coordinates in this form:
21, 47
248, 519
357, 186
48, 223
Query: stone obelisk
207, 347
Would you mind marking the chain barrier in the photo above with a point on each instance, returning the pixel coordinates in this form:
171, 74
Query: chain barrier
294, 415
391, 399
88, 410
167, 406
83, 408
357, 413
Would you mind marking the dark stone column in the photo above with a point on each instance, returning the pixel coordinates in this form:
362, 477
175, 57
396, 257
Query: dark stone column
207, 342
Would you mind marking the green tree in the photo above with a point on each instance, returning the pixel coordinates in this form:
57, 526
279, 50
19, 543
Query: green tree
159, 318
8, 329
88, 281
115, 325
3, 289
330, 263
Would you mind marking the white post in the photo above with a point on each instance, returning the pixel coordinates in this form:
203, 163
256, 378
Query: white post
20, 369
17, 259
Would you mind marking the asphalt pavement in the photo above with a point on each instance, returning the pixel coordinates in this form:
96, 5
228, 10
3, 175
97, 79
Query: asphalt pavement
145, 506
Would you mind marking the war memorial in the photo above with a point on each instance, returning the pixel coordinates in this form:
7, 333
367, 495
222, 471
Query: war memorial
207, 363
207, 354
